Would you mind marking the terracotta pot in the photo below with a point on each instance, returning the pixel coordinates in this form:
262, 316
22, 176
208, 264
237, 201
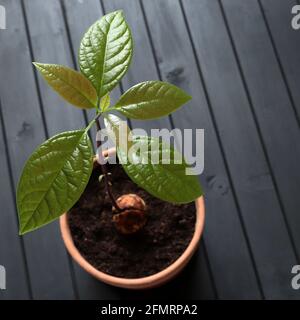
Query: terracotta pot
154, 280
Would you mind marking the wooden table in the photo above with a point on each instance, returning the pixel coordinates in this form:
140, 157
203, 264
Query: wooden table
240, 62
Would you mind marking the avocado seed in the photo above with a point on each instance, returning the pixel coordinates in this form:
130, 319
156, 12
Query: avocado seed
132, 218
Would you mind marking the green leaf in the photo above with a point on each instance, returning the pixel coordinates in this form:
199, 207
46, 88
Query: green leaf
168, 182
105, 102
105, 52
69, 84
53, 179
150, 100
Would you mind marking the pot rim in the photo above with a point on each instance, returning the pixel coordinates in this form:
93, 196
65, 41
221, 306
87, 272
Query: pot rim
143, 282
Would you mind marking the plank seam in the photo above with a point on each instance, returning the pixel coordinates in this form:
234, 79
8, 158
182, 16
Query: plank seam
34, 71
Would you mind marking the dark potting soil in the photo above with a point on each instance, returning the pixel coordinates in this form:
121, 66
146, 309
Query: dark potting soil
167, 233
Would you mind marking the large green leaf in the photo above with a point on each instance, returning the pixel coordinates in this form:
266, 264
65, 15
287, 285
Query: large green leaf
69, 84
150, 100
168, 182
53, 179
105, 52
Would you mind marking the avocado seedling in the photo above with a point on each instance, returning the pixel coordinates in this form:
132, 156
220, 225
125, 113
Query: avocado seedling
58, 172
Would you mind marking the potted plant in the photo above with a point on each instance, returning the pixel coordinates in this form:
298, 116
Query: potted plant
133, 224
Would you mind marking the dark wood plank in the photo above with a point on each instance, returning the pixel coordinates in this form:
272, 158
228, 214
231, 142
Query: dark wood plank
271, 105
286, 43
143, 68
11, 247
245, 156
225, 239
47, 260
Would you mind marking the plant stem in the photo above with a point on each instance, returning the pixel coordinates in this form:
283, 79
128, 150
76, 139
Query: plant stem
105, 173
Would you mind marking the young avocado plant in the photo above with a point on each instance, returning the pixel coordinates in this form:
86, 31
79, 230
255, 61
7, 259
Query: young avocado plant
57, 172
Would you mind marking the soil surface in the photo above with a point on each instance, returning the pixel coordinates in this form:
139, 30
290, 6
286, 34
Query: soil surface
167, 233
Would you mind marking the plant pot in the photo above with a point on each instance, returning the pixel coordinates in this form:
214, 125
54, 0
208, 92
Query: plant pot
154, 280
